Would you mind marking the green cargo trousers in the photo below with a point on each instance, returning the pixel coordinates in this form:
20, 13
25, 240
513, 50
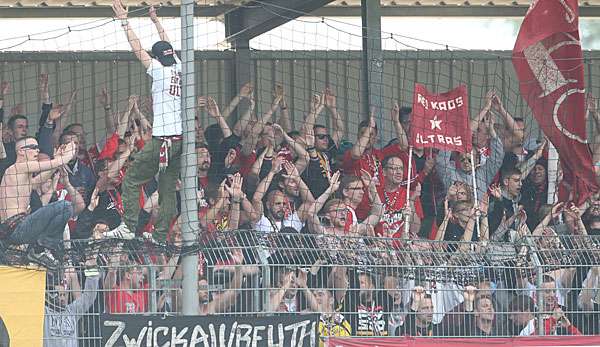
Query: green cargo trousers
143, 168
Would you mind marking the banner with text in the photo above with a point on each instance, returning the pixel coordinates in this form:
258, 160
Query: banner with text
524, 341
201, 331
440, 120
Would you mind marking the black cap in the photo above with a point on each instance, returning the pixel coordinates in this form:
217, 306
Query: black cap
405, 114
164, 53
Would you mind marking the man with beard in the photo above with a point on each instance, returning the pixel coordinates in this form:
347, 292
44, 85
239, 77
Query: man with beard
420, 318
65, 305
360, 301
278, 210
204, 161
591, 216
534, 192
365, 158
507, 203
393, 195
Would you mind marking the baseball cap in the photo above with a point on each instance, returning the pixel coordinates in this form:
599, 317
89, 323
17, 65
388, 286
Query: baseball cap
164, 53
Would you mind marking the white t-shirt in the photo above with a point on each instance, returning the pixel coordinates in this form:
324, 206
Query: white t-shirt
166, 98
265, 226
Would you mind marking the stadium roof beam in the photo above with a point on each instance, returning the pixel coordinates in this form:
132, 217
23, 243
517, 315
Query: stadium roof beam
255, 18
10, 9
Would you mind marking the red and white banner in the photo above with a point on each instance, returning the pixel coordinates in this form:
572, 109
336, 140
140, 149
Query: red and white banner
529, 341
440, 120
548, 60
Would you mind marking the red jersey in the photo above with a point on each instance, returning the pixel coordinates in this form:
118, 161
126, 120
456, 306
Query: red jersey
392, 221
370, 161
122, 301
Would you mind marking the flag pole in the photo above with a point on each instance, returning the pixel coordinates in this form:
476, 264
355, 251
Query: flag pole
407, 217
476, 202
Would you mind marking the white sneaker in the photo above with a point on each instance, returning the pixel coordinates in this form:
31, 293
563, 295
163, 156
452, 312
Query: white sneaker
120, 232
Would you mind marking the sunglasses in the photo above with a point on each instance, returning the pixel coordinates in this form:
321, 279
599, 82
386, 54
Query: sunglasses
322, 136
30, 147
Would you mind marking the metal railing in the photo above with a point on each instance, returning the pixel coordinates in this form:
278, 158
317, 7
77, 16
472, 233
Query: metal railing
360, 286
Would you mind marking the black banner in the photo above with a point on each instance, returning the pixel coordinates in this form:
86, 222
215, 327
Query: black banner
209, 331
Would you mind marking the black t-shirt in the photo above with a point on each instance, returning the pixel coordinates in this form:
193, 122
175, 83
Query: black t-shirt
366, 319
107, 209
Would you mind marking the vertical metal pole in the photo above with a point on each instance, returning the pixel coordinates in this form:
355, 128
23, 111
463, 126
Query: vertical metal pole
540, 302
552, 172
189, 208
372, 61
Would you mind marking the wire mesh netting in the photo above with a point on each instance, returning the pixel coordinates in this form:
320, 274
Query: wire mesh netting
426, 204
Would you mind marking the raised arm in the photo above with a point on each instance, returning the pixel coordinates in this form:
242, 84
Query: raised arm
124, 117
316, 106
105, 101
237, 195
509, 121
400, 133
2, 149
249, 141
474, 124
76, 198
363, 139
337, 133
301, 152
556, 210
284, 115
161, 31
334, 184
213, 110
62, 157
262, 187
134, 42
377, 207
61, 121
305, 194
526, 166
230, 295
247, 92
441, 232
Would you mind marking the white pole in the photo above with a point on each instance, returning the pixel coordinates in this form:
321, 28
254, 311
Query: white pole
476, 202
407, 217
552, 173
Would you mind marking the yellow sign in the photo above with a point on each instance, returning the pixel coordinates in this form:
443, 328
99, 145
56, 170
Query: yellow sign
21, 307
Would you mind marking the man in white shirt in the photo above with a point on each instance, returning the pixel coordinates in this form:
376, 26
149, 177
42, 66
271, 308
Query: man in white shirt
163, 152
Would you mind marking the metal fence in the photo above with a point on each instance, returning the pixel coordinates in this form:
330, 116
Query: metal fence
359, 286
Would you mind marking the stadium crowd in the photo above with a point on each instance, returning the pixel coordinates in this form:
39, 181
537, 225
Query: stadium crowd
259, 173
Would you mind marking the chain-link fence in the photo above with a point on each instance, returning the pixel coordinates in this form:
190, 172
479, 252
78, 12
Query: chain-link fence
359, 286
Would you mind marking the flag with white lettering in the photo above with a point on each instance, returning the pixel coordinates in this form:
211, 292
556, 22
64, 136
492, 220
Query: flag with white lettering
440, 120
549, 64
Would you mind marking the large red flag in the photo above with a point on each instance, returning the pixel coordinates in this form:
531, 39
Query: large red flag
440, 120
548, 60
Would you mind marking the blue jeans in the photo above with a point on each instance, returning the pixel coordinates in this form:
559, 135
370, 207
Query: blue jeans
47, 223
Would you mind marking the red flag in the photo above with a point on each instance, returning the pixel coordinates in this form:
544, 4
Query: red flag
440, 120
548, 60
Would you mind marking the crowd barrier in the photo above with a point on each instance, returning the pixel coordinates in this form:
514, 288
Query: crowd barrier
290, 287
